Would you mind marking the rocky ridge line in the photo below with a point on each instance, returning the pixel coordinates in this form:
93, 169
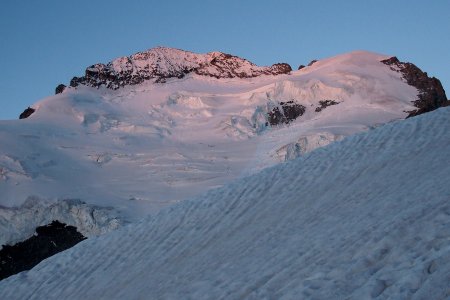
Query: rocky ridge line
162, 63
431, 93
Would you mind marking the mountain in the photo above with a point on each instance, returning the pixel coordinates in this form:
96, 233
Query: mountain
144, 132
364, 218
162, 63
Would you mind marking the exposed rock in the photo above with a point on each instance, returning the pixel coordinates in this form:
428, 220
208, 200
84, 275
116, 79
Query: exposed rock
47, 241
27, 112
276, 116
301, 67
325, 103
285, 112
162, 63
74, 82
60, 88
431, 93
279, 68
312, 62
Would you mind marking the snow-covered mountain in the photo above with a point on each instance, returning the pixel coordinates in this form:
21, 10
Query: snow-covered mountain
161, 63
364, 218
146, 131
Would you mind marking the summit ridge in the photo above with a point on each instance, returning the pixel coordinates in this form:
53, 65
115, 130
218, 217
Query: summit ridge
161, 63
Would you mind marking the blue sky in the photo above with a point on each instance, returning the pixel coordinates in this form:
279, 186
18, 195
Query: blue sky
44, 43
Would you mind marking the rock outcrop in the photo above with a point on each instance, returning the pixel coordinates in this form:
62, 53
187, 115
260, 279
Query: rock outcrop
431, 93
285, 112
27, 112
324, 104
60, 88
47, 241
162, 63
312, 62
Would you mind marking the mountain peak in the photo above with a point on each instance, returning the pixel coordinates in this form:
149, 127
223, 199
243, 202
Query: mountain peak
160, 63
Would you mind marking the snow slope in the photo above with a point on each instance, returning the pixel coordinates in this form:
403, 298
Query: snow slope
367, 217
131, 151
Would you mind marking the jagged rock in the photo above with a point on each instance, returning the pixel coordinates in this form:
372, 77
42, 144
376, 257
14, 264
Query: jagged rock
285, 113
162, 63
27, 112
60, 88
431, 93
74, 82
325, 103
280, 68
47, 241
301, 67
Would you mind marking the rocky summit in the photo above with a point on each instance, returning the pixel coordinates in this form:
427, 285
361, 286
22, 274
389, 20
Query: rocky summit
161, 63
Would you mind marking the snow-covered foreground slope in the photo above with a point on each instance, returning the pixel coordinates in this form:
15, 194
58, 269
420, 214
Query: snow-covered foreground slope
363, 218
129, 152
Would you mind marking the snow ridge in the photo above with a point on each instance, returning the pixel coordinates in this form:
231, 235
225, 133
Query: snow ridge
362, 218
161, 63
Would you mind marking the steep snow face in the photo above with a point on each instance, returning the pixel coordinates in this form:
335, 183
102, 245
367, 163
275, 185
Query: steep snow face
143, 147
363, 218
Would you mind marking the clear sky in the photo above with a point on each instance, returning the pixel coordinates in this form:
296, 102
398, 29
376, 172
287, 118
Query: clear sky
44, 43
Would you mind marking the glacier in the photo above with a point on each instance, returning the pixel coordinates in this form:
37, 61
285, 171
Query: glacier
362, 218
133, 150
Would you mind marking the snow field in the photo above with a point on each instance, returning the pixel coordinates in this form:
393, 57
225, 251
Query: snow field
364, 218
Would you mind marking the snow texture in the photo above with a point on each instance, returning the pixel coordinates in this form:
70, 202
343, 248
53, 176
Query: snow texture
367, 217
144, 147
